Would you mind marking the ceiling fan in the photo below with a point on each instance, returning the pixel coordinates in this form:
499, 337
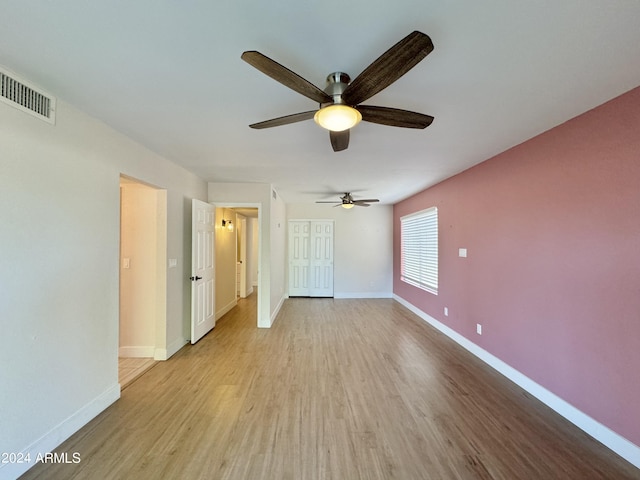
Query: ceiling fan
347, 201
340, 102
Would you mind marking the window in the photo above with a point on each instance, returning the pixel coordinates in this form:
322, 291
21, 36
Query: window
419, 249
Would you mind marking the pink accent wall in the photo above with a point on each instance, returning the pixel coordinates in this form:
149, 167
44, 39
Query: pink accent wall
552, 228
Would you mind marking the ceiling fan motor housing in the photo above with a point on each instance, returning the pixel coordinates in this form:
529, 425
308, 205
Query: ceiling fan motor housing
337, 83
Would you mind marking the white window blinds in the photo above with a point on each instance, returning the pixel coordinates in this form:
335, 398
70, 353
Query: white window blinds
419, 249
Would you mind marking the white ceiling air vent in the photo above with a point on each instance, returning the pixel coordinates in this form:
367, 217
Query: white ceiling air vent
26, 97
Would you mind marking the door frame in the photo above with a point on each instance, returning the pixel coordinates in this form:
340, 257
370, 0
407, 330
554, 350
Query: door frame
159, 275
261, 267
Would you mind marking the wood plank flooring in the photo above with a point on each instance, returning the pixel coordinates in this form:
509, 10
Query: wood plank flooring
129, 369
336, 389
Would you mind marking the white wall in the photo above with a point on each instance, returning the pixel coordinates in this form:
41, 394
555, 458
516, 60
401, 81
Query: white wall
225, 242
143, 247
59, 237
363, 247
258, 195
278, 254
253, 244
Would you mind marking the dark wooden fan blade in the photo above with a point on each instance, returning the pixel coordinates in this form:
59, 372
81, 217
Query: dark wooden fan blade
388, 68
358, 204
367, 200
285, 76
286, 120
339, 140
394, 117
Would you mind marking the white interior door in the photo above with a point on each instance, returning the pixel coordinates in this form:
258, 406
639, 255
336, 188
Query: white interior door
202, 269
299, 258
242, 254
321, 259
311, 258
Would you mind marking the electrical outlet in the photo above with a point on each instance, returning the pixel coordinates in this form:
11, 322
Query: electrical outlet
478, 329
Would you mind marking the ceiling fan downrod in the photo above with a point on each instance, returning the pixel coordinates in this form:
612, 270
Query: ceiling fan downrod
337, 83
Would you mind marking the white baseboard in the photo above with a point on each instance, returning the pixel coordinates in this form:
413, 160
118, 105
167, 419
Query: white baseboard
172, 348
136, 351
277, 310
152, 352
226, 308
362, 295
58, 434
160, 354
620, 445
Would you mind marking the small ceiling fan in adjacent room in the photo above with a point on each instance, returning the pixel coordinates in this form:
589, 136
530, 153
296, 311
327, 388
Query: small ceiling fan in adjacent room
347, 201
341, 101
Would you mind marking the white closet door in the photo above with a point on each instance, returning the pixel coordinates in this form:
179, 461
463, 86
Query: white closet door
321, 263
299, 259
311, 258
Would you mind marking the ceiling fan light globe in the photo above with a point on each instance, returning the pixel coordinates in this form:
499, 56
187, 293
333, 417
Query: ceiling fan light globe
337, 118
348, 205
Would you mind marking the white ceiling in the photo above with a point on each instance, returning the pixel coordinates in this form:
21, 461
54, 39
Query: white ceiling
169, 75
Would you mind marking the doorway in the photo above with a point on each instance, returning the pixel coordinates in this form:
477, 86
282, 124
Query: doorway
237, 255
143, 250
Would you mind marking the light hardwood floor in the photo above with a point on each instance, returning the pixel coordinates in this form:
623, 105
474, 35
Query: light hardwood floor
336, 389
129, 369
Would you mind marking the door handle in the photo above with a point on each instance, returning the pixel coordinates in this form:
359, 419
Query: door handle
195, 279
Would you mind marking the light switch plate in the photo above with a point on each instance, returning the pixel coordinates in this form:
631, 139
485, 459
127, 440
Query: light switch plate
462, 252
